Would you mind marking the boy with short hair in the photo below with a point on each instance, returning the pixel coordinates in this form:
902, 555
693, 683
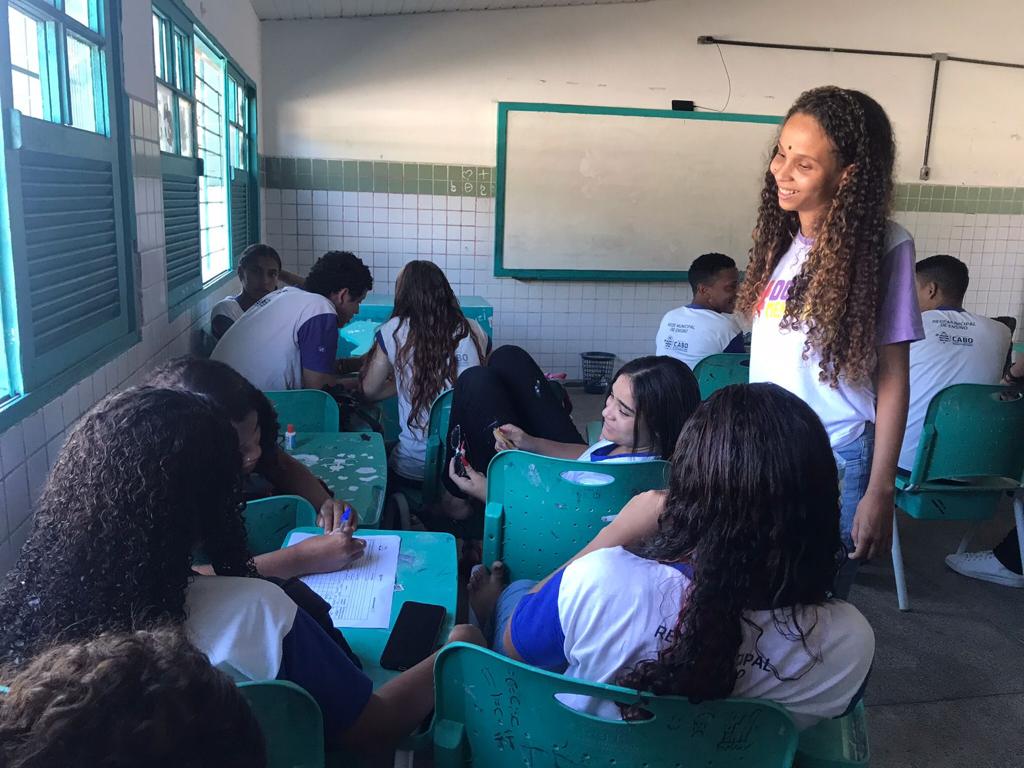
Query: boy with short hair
289, 338
958, 347
705, 326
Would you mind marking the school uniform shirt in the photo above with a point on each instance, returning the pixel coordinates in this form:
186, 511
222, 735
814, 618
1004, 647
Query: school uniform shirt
958, 348
610, 610
282, 333
409, 455
691, 333
251, 630
227, 310
776, 355
601, 452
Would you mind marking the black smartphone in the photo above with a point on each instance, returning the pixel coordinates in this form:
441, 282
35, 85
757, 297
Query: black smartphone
413, 637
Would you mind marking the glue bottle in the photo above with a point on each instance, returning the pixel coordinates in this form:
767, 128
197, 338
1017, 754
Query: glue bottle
289, 438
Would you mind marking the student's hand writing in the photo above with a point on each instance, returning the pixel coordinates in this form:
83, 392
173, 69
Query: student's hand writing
467, 633
330, 552
332, 513
474, 484
872, 525
509, 437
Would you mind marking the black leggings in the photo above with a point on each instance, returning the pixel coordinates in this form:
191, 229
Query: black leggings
1007, 552
510, 389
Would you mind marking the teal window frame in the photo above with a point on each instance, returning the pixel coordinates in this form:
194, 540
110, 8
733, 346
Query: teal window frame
66, 214
185, 293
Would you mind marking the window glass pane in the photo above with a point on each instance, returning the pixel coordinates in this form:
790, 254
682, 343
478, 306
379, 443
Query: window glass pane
165, 114
82, 10
210, 141
25, 63
181, 59
185, 126
158, 40
84, 79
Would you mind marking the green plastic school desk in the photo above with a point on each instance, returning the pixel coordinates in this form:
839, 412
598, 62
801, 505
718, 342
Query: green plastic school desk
354, 466
378, 306
428, 570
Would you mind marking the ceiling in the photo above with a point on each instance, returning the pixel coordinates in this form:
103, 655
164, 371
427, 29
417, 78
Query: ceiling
330, 9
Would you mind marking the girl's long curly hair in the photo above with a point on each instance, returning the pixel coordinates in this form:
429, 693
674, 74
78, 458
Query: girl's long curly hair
426, 305
753, 505
143, 478
835, 296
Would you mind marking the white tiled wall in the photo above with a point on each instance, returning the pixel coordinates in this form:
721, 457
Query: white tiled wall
29, 449
557, 320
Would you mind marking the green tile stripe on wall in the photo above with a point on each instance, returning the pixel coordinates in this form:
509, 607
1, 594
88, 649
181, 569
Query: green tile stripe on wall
939, 198
377, 176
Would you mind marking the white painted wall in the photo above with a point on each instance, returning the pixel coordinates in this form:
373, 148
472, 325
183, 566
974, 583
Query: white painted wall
423, 88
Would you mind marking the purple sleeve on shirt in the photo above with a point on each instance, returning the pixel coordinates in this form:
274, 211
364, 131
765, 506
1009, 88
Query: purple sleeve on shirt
318, 343
899, 317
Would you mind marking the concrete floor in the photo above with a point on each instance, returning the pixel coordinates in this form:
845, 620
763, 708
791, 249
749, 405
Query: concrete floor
947, 688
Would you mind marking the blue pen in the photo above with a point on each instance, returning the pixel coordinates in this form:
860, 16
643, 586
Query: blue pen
346, 514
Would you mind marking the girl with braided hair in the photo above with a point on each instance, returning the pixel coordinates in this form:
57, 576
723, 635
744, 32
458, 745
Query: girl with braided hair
830, 288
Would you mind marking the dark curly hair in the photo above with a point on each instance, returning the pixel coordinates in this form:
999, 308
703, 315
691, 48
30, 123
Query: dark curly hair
753, 504
426, 305
836, 293
336, 270
144, 477
228, 390
665, 393
124, 700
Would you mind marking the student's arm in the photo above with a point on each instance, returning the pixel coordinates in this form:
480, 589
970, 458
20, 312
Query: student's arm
377, 378
346, 365
317, 380
290, 278
872, 524
318, 347
514, 438
219, 325
317, 554
398, 707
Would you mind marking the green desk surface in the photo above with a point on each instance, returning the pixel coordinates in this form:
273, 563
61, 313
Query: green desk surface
427, 573
353, 464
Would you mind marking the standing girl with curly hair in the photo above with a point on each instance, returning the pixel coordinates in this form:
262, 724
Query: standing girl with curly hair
419, 353
830, 287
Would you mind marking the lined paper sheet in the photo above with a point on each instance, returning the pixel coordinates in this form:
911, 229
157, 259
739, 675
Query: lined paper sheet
361, 595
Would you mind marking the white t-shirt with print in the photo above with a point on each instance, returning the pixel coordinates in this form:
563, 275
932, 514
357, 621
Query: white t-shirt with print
958, 348
615, 609
282, 333
692, 333
408, 457
776, 355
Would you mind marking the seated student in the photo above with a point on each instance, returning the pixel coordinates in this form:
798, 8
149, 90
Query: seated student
259, 268
289, 338
648, 402
420, 352
111, 550
268, 471
732, 596
123, 699
958, 347
706, 325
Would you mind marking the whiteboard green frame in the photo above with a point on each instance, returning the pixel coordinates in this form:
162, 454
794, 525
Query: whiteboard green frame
505, 107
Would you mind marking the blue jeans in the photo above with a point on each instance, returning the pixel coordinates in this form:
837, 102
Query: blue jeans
507, 602
856, 458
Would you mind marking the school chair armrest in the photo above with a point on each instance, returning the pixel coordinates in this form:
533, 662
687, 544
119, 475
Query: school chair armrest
494, 524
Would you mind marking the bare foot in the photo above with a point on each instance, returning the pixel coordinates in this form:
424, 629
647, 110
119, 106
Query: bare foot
484, 589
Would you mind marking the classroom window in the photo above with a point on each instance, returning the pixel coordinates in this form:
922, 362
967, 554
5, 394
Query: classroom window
213, 201
172, 57
65, 260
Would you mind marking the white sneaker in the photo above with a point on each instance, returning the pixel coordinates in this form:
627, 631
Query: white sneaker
984, 566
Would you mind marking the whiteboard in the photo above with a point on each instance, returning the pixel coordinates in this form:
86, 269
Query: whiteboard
624, 194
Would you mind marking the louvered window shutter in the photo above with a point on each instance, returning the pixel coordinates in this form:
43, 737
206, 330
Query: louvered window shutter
240, 220
181, 227
69, 241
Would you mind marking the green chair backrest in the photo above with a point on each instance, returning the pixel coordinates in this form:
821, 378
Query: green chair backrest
437, 433
538, 514
971, 431
310, 410
267, 521
495, 712
291, 723
717, 371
